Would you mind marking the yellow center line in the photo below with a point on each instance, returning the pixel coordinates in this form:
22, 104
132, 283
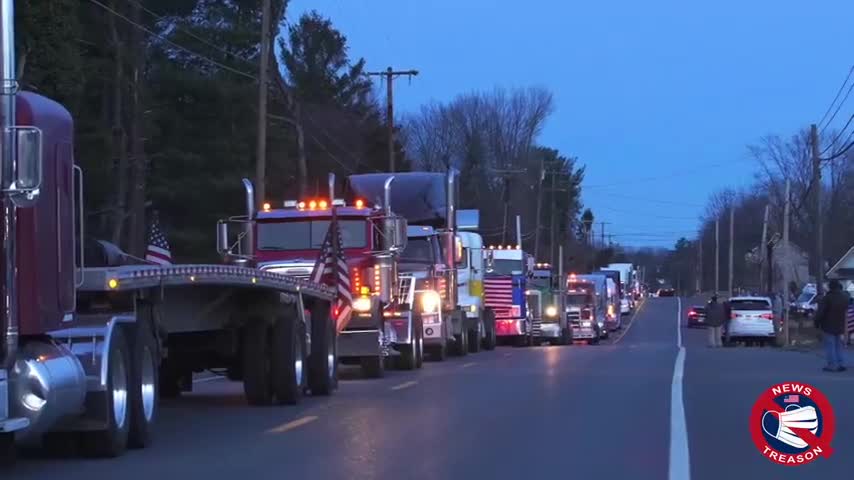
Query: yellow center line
292, 424
631, 321
403, 385
466, 365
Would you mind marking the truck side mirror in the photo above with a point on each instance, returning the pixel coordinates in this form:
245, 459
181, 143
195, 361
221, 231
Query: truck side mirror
222, 246
26, 148
393, 233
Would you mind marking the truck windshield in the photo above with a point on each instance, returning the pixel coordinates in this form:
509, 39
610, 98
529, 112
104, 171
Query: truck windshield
418, 250
541, 282
579, 299
506, 267
308, 234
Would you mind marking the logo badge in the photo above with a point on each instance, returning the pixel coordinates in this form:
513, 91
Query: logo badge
792, 424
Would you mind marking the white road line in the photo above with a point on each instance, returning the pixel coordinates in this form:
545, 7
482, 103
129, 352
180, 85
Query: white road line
680, 460
403, 385
292, 425
207, 379
467, 365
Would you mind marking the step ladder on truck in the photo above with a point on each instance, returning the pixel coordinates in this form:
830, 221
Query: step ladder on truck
86, 349
376, 325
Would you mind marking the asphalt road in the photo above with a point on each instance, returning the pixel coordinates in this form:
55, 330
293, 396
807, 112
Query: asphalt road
547, 412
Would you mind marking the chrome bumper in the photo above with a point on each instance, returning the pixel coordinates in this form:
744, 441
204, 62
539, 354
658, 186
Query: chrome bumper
363, 343
433, 329
550, 330
8, 424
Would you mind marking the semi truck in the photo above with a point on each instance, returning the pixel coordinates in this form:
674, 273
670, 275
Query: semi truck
85, 349
553, 326
470, 273
379, 327
587, 307
428, 201
504, 291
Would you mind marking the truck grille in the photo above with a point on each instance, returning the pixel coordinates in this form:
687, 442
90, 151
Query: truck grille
574, 317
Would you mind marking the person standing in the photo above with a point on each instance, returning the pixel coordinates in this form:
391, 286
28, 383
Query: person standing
830, 318
715, 313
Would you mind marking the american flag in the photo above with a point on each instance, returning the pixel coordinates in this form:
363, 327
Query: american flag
157, 251
331, 268
850, 318
498, 294
792, 399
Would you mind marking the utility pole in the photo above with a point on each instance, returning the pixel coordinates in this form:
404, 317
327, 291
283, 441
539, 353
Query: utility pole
603, 232
390, 75
731, 245
764, 245
785, 264
717, 255
816, 189
539, 208
552, 224
261, 146
506, 174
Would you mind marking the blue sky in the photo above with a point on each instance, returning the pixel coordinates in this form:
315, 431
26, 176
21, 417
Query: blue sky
658, 98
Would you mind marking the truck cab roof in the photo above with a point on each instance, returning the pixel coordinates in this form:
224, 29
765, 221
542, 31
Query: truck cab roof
288, 213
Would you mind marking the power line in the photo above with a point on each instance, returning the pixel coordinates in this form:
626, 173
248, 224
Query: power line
838, 134
841, 87
838, 107
170, 42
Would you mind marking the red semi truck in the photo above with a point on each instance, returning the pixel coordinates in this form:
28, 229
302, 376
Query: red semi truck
384, 322
84, 351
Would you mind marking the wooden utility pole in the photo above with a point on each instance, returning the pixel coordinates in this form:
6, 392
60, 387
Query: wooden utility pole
539, 208
816, 189
552, 221
717, 255
261, 138
731, 245
785, 264
390, 75
602, 233
764, 245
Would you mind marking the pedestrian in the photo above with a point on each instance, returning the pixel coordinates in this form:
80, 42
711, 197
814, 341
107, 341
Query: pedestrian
830, 318
715, 313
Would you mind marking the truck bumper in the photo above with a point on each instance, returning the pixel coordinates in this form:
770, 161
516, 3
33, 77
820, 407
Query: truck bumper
510, 327
434, 329
362, 343
583, 333
550, 330
8, 424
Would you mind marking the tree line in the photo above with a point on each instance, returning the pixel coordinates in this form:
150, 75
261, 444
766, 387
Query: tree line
164, 98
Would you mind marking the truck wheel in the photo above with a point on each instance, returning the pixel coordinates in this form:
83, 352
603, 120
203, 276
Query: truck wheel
418, 328
257, 385
565, 337
323, 360
373, 367
474, 337
461, 346
287, 361
113, 441
8, 452
144, 386
490, 339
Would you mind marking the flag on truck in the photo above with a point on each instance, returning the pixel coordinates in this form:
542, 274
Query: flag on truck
331, 269
157, 250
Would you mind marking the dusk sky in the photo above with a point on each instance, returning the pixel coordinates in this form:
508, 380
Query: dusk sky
658, 99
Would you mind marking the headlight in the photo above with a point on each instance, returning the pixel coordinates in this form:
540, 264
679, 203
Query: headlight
551, 311
430, 302
362, 304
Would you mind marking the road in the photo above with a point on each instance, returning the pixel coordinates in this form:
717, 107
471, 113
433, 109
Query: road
547, 412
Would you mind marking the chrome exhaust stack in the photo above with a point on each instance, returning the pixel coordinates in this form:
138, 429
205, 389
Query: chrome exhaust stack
249, 234
7, 174
387, 195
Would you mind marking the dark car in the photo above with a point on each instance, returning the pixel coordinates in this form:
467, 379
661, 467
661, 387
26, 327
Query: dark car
697, 316
666, 292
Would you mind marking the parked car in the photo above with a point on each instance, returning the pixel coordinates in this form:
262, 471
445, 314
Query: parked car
666, 292
697, 316
751, 321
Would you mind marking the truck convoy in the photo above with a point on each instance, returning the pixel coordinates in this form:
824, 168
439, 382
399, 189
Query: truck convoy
85, 350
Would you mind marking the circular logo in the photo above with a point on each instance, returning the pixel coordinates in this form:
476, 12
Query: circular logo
792, 424
429, 331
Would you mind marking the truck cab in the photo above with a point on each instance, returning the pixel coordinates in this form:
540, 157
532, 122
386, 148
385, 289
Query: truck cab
587, 307
504, 291
552, 325
470, 273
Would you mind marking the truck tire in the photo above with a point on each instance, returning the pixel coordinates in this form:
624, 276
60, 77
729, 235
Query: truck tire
439, 353
257, 384
418, 328
287, 360
373, 367
408, 359
113, 441
474, 336
144, 386
565, 337
323, 360
490, 340
461, 343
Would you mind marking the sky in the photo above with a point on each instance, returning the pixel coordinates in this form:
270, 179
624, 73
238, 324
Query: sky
658, 99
